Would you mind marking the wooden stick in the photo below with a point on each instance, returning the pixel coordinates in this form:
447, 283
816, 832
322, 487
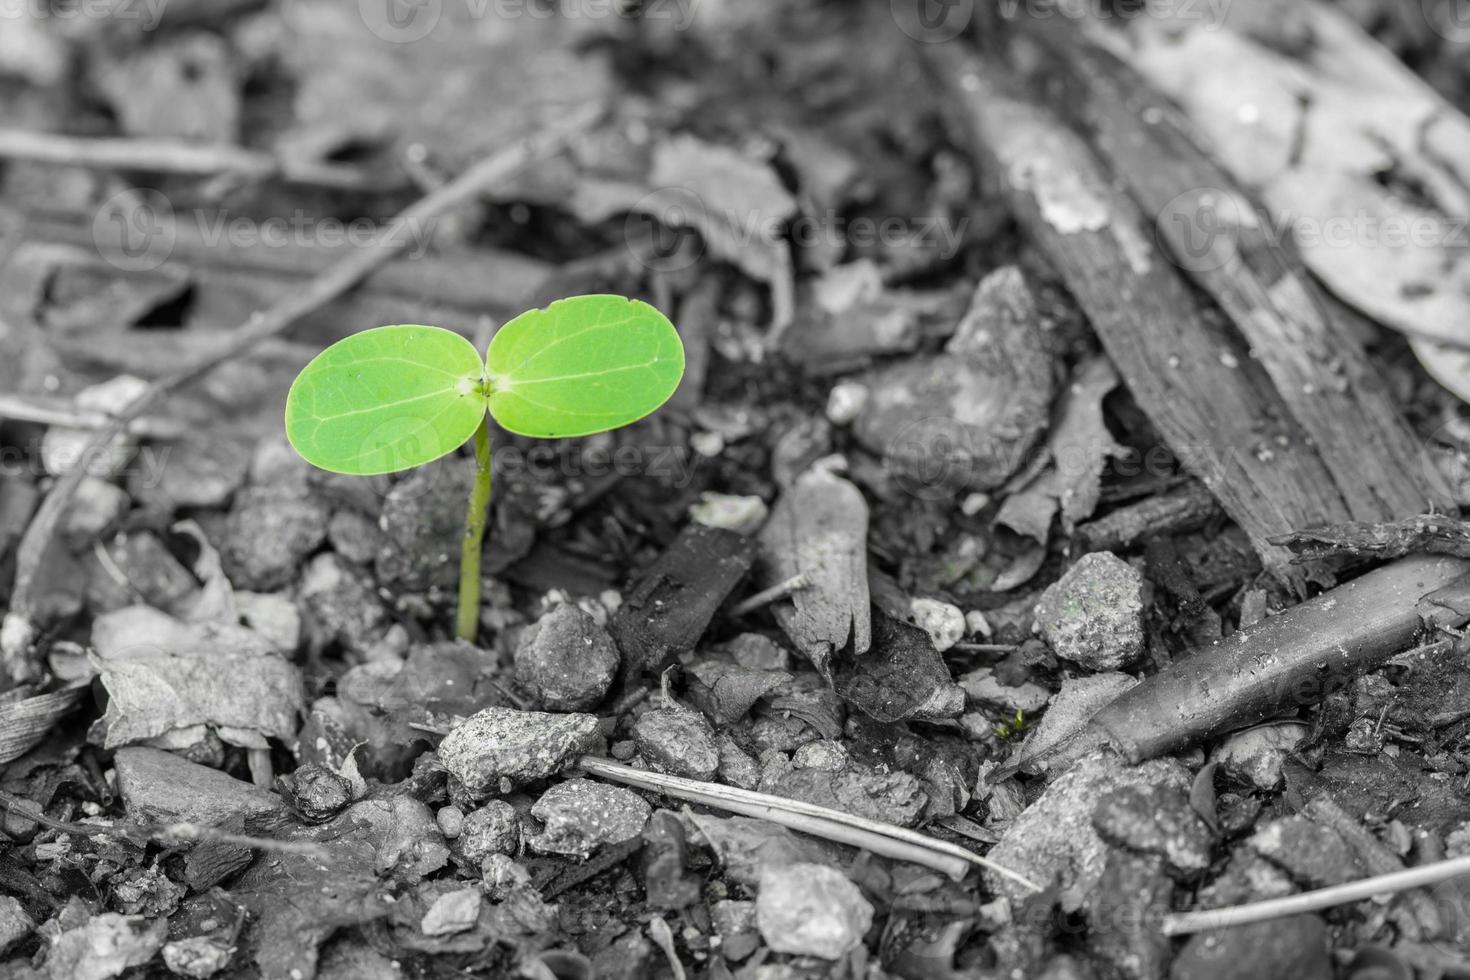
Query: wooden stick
1214, 406
1183, 923
18, 631
884, 839
174, 157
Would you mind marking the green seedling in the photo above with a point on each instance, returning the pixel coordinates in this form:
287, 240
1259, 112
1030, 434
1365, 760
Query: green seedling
392, 398
1015, 726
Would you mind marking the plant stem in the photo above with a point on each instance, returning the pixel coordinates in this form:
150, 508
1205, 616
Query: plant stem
468, 626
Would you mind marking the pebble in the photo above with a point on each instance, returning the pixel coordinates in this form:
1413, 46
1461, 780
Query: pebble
1130, 900
811, 910
1054, 837
677, 741
1295, 946
422, 522
1256, 754
1093, 615
95, 510
15, 923
159, 787
354, 536
894, 797
743, 515
106, 946
343, 603
944, 623
822, 754
580, 815
201, 474
495, 828
316, 793
734, 923
845, 402
1155, 820
450, 820
519, 746
268, 536
667, 883
736, 766
984, 689
565, 661
1314, 855
272, 615
453, 912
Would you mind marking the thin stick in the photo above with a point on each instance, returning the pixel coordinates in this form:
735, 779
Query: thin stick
468, 624
18, 631
880, 838
1183, 923
172, 157
767, 596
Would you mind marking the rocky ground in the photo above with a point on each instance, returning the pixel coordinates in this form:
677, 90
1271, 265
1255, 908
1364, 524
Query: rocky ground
902, 531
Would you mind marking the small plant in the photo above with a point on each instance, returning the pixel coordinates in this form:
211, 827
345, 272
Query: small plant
392, 398
1015, 726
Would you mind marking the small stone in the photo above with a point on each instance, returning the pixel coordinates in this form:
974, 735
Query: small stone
821, 754
454, 912
519, 746
158, 787
502, 876
422, 522
1093, 615
1295, 946
566, 661
894, 797
450, 820
273, 616
811, 910
677, 741
1054, 837
1314, 855
845, 402
95, 510
354, 536
580, 815
1132, 897
202, 474
1256, 754
944, 622
105, 947
495, 828
268, 536
734, 923
736, 766
316, 793
15, 923
667, 883
977, 625
756, 651
984, 689
343, 603
1154, 820
743, 515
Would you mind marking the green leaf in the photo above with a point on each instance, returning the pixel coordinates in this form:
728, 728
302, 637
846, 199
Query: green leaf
582, 365
386, 399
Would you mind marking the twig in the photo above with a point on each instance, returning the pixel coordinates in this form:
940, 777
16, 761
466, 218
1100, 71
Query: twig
1183, 923
162, 833
55, 411
174, 157
880, 838
767, 596
18, 630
